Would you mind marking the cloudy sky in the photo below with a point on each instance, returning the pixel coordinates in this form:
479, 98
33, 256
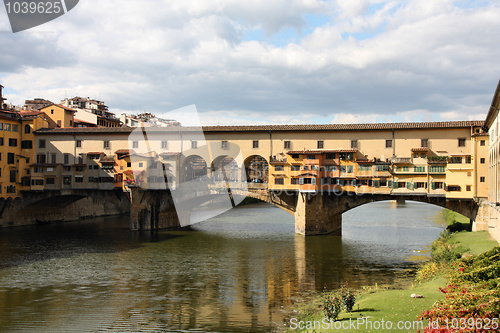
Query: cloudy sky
265, 61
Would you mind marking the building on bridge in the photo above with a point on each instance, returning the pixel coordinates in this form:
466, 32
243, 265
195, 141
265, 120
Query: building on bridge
446, 159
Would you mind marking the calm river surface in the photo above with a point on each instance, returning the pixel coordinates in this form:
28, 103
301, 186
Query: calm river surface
233, 274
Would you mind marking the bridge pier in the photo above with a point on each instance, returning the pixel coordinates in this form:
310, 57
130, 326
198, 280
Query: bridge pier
152, 210
314, 216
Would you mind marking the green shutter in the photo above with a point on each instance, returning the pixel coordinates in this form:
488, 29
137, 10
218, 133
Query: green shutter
395, 185
425, 184
415, 185
389, 183
408, 185
433, 185
376, 183
354, 182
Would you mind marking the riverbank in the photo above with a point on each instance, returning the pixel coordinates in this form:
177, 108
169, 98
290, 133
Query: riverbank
379, 306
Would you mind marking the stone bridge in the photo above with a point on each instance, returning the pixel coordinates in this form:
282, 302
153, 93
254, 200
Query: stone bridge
315, 213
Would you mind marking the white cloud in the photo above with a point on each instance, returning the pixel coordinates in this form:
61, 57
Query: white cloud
372, 61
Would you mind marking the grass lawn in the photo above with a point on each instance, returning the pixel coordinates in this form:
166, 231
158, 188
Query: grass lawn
394, 305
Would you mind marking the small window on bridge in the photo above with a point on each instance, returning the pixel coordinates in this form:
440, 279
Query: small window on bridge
287, 144
279, 181
468, 188
255, 144
388, 143
278, 168
295, 167
330, 156
483, 143
461, 142
456, 159
482, 179
295, 156
424, 143
224, 145
483, 160
311, 157
321, 144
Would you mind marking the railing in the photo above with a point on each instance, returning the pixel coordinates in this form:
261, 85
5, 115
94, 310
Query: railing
401, 160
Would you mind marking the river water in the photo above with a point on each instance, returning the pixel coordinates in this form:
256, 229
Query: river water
234, 273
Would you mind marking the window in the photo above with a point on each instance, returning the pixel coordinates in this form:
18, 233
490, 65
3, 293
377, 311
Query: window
67, 180
350, 169
294, 181
287, 144
10, 158
78, 179
419, 169
278, 168
141, 164
382, 167
27, 129
194, 144
364, 167
164, 144
454, 188
6, 127
13, 174
438, 185
78, 143
58, 123
12, 142
436, 168
295, 167
401, 184
50, 181
456, 159
11, 189
279, 181
482, 179
53, 158
15, 128
420, 185
135, 144
468, 159
295, 156
79, 168
483, 143
129, 164
255, 144
321, 144
27, 144
483, 160
424, 143
1, 141
461, 142
66, 158
330, 156
107, 145
468, 188
331, 168
51, 111
354, 144
311, 157
388, 143
224, 145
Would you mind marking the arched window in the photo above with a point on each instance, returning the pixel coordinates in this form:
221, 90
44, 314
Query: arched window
27, 129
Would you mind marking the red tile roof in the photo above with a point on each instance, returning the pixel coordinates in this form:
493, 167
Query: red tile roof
275, 128
305, 152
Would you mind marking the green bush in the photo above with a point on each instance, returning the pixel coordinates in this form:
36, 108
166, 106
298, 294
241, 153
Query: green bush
332, 306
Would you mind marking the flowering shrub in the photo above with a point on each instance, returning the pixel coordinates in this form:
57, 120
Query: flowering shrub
348, 297
473, 294
332, 307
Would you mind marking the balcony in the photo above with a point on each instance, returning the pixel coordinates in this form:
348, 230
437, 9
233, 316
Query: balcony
401, 160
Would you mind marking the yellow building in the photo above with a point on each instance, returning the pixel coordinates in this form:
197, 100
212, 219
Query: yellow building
447, 159
59, 116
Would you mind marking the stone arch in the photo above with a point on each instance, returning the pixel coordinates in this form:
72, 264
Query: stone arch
194, 166
225, 168
256, 169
